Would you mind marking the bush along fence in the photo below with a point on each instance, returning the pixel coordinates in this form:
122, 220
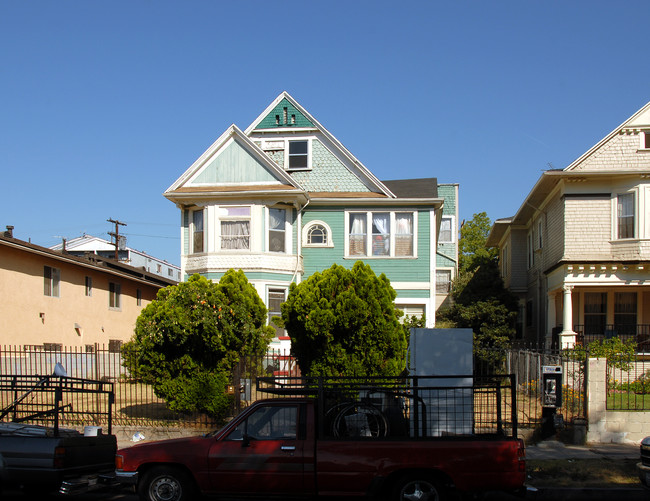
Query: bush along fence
627, 383
135, 403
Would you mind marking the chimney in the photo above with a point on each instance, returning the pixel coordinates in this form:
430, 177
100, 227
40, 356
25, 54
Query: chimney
10, 232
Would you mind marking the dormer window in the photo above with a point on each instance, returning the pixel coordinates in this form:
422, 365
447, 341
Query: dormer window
298, 155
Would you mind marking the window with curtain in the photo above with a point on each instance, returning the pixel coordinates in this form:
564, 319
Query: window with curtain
277, 230
274, 303
445, 235
443, 281
404, 234
625, 215
380, 234
235, 228
358, 233
391, 234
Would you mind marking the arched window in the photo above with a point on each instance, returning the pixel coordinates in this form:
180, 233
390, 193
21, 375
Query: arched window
317, 234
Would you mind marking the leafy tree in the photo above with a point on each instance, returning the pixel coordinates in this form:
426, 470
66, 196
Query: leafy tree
187, 341
471, 246
344, 323
479, 299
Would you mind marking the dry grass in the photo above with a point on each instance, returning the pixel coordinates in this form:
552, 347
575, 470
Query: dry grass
582, 473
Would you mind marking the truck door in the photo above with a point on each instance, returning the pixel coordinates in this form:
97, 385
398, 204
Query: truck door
264, 454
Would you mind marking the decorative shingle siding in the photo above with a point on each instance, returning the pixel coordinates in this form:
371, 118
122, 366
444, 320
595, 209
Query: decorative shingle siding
270, 121
327, 174
620, 152
588, 228
555, 231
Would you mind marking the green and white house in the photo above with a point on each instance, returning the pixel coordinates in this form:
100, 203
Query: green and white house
284, 199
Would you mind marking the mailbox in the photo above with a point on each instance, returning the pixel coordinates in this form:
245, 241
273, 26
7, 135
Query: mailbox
552, 386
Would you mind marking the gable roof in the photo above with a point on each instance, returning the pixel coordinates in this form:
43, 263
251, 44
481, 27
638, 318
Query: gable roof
551, 178
233, 164
414, 188
306, 122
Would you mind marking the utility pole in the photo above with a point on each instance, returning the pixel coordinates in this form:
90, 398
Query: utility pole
116, 235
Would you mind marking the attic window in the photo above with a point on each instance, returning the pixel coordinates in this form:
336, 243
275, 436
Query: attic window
298, 155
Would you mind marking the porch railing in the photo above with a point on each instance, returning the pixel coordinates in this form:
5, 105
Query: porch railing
639, 333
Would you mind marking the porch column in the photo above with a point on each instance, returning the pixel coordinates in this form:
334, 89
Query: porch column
550, 318
567, 336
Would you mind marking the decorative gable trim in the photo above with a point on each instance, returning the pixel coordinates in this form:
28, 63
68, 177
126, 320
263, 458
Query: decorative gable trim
259, 126
640, 120
231, 136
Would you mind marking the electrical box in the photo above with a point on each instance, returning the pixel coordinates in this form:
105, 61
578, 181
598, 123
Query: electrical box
552, 386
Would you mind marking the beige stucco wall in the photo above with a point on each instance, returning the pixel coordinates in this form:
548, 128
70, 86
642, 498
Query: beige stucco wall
32, 318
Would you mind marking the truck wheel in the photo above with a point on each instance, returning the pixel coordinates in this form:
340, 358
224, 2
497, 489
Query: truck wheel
417, 488
165, 483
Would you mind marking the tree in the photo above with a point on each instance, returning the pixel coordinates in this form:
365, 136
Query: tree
480, 300
344, 323
188, 340
471, 246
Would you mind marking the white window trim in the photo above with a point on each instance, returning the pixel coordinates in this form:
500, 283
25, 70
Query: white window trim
287, 230
391, 254
309, 153
191, 228
217, 228
637, 218
642, 140
451, 279
453, 233
305, 234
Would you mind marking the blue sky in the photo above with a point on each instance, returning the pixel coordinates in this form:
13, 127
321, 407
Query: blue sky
105, 104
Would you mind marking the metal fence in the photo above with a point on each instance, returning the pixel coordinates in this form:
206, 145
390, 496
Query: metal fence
628, 382
135, 403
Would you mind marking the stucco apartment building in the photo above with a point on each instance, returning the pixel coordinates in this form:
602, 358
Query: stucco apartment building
577, 252
50, 299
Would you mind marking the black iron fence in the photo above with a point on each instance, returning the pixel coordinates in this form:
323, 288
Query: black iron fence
135, 403
639, 333
628, 382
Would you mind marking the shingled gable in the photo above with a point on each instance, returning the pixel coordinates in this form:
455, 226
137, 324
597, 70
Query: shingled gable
221, 169
272, 119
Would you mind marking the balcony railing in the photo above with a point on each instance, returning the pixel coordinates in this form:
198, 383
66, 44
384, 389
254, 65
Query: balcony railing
639, 333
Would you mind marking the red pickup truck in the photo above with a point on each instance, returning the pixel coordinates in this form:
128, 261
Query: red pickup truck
371, 442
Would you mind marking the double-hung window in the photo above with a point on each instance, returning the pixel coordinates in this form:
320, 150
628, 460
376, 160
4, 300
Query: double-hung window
235, 228
51, 280
197, 231
380, 234
446, 233
625, 215
114, 295
277, 230
298, 156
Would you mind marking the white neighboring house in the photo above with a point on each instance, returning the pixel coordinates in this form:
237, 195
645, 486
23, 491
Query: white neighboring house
577, 252
88, 244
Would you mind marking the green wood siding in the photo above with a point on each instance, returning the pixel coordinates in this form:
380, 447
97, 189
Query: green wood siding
234, 165
396, 269
270, 121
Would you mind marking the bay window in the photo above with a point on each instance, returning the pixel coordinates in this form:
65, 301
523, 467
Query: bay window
277, 230
197, 231
235, 228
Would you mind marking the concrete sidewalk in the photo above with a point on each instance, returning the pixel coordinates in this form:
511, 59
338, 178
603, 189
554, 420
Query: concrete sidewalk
552, 449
